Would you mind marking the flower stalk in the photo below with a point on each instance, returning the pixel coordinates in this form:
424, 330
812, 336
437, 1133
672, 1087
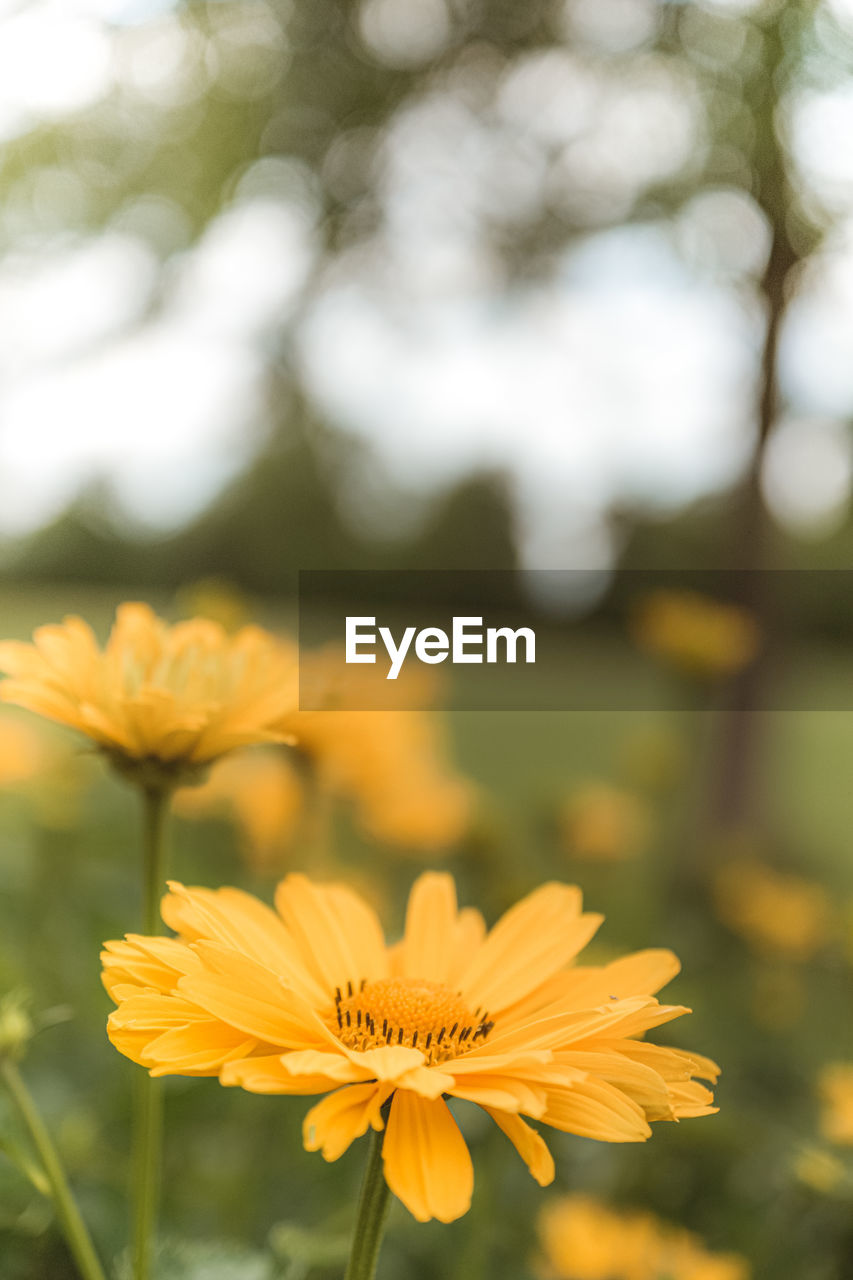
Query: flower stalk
148, 1100
373, 1207
68, 1215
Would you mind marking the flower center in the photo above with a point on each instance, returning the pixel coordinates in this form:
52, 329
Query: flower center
413, 1012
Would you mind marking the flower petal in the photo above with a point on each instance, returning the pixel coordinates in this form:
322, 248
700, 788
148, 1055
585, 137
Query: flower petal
427, 1164
244, 924
427, 947
531, 942
342, 1117
529, 1144
338, 935
593, 1109
267, 1074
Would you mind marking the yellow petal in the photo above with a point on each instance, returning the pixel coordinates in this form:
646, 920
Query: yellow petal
243, 923
334, 1066
342, 1117
641, 974
199, 1048
529, 1144
267, 1074
507, 1093
427, 1164
593, 1109
252, 999
533, 940
145, 963
430, 924
338, 935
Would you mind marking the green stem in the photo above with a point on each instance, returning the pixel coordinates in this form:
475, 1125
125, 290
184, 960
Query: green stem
148, 1101
73, 1227
372, 1212
155, 812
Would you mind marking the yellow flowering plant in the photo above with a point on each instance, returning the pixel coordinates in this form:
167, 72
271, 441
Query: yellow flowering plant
582, 1238
835, 1089
703, 638
161, 703
308, 998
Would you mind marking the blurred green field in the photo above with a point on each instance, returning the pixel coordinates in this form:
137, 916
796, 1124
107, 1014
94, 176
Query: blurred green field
235, 1166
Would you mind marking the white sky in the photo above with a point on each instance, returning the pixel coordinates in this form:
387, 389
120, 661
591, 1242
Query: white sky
630, 374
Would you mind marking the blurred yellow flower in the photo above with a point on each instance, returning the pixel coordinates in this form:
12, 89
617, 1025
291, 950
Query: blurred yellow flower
47, 774
773, 911
700, 636
22, 752
261, 791
835, 1087
603, 823
309, 999
819, 1170
160, 698
393, 765
583, 1239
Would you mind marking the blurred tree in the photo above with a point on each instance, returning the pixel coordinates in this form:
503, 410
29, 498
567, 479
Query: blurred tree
506, 131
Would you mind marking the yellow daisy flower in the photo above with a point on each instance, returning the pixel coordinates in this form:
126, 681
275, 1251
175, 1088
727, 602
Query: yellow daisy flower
309, 999
775, 911
163, 698
835, 1086
584, 1239
262, 792
698, 635
602, 823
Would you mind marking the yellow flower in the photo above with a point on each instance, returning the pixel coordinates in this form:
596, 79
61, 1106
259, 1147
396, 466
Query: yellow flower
819, 1169
157, 698
388, 763
603, 823
776, 912
309, 999
50, 777
22, 753
392, 763
698, 635
583, 1239
835, 1086
262, 791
